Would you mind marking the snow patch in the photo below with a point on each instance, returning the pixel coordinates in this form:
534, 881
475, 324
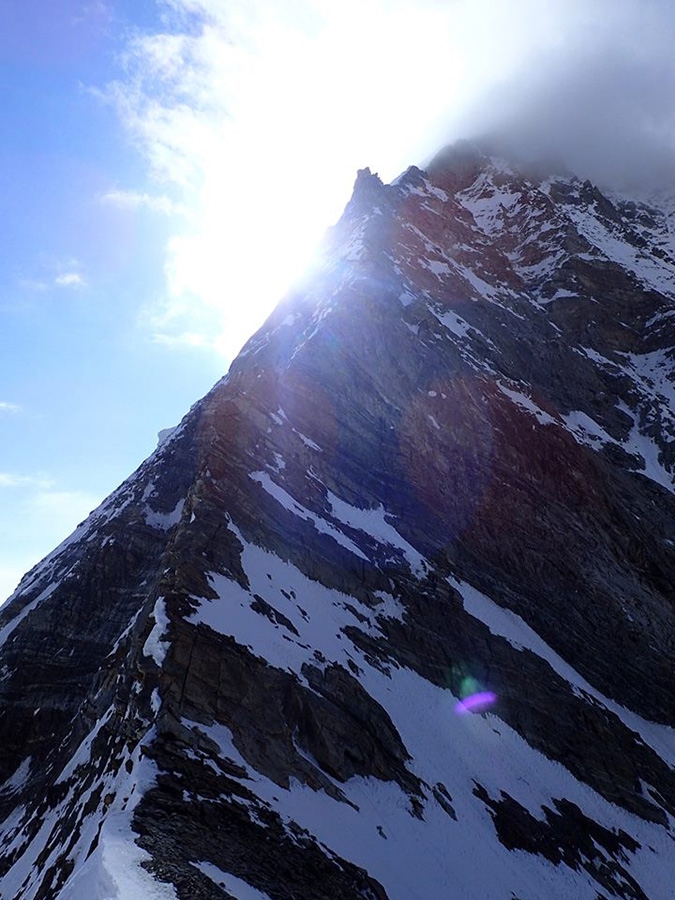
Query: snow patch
318, 615
454, 323
18, 778
285, 499
164, 521
156, 644
114, 871
374, 522
308, 442
586, 430
437, 268
236, 887
527, 404
642, 445
165, 434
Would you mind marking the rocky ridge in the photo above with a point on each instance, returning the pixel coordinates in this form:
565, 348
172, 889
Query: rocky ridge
444, 465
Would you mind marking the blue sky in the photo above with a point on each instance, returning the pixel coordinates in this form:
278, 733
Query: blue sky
168, 166
83, 387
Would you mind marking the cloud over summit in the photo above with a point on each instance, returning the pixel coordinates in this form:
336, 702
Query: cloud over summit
601, 96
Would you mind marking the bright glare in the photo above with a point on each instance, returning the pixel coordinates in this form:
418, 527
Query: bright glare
260, 113
306, 107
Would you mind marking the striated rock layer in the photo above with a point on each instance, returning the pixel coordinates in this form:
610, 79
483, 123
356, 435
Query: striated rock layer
444, 467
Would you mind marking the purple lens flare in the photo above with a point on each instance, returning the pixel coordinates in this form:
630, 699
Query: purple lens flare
475, 703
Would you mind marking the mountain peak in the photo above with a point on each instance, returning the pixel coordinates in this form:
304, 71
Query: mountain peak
395, 596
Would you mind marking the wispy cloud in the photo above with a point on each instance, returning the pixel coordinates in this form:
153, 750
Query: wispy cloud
13, 480
70, 280
56, 273
5, 406
134, 200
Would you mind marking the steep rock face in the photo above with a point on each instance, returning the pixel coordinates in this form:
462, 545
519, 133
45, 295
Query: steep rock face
443, 467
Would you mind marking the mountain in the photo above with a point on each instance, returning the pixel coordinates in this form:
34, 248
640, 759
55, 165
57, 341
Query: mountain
390, 614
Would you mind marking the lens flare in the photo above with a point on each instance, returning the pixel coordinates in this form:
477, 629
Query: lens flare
475, 703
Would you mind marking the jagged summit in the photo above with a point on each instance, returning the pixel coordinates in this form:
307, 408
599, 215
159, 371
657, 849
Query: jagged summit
390, 614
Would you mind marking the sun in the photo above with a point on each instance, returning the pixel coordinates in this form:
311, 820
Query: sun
244, 250
265, 127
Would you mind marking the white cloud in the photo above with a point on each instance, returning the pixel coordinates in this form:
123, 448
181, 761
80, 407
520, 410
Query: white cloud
70, 279
135, 200
603, 99
5, 406
259, 112
12, 480
57, 273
